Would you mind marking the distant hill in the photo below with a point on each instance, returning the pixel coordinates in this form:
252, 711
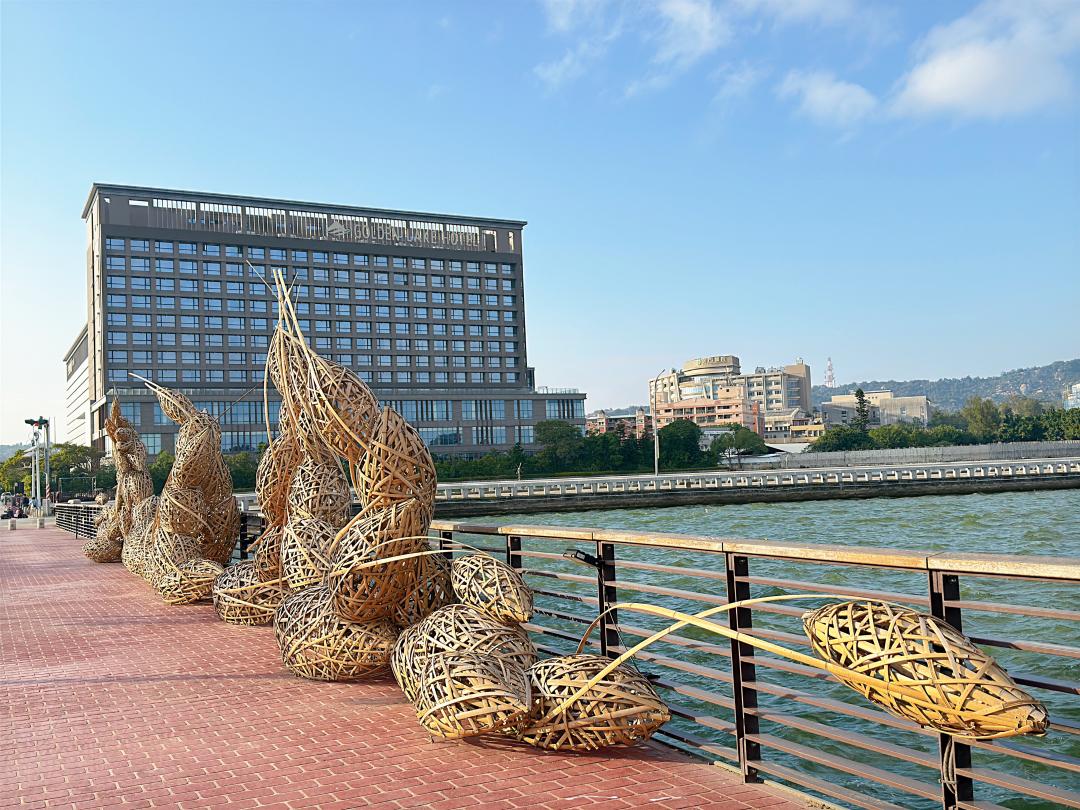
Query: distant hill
8, 450
1046, 383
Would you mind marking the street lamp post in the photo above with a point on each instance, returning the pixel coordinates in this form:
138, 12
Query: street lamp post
655, 427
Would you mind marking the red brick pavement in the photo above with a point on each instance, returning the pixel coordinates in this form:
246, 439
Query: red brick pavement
109, 698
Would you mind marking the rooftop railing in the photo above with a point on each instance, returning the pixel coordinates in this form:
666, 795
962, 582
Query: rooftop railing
770, 718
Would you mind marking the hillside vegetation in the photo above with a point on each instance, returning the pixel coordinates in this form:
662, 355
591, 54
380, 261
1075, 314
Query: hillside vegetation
1045, 383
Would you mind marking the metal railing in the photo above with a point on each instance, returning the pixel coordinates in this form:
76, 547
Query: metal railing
833, 477
770, 718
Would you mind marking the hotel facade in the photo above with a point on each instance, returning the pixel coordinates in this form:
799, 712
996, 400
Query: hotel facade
427, 309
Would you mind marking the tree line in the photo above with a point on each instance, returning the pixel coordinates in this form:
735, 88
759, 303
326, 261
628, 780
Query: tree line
980, 421
76, 469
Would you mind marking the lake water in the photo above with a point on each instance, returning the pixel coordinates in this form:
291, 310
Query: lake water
1030, 523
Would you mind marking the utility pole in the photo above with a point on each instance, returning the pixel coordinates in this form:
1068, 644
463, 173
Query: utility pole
41, 497
655, 427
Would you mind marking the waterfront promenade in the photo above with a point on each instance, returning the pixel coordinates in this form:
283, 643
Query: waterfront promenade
113, 699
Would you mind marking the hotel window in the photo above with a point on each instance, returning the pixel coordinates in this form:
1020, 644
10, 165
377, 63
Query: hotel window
385, 377
189, 358
117, 319
236, 305
140, 245
524, 409
115, 263
115, 282
237, 358
233, 251
236, 340
455, 266
166, 375
211, 268
188, 266
256, 253
234, 269
140, 283
116, 301
320, 257
189, 285
525, 434
235, 288
187, 248
152, 442
211, 250
215, 375
212, 322
117, 338
299, 256
163, 247
215, 357
472, 267
140, 265
189, 303
190, 375
113, 244
235, 324
118, 356
212, 304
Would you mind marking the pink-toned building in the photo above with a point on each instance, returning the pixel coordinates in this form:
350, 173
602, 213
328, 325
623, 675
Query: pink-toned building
727, 405
636, 424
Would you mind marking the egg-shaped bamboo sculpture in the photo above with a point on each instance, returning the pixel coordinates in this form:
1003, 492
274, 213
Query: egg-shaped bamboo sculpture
492, 586
457, 628
920, 668
462, 694
621, 708
316, 643
240, 597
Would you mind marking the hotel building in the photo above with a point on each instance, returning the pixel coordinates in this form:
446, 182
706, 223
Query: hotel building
427, 309
773, 389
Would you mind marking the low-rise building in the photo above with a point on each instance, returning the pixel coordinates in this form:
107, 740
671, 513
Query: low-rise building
727, 406
774, 389
627, 423
884, 409
77, 396
1072, 398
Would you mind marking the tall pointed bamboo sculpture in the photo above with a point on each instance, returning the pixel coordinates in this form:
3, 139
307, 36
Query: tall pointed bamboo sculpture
133, 486
197, 520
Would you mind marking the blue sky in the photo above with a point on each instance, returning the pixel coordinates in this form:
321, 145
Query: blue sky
896, 186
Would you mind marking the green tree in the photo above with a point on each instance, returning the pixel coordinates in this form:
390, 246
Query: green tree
946, 436
242, 467
75, 463
982, 418
561, 443
842, 438
680, 445
160, 469
14, 470
861, 422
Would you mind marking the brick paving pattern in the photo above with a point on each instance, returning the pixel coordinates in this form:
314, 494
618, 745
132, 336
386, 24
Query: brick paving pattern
110, 698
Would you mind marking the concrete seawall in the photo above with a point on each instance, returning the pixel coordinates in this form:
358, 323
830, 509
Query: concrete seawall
535, 504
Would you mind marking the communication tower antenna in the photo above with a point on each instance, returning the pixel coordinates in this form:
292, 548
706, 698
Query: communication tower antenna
830, 377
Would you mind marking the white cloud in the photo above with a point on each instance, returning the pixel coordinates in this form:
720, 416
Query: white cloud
690, 30
736, 81
803, 11
565, 15
572, 65
1004, 58
827, 100
687, 32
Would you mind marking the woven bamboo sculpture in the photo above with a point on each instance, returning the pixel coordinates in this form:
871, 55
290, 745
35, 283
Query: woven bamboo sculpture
240, 597
133, 486
267, 553
493, 586
364, 589
463, 694
196, 504
431, 592
457, 628
317, 643
305, 547
139, 541
922, 669
574, 711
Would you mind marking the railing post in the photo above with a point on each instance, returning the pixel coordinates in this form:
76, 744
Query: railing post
953, 754
446, 537
606, 593
244, 540
742, 669
513, 551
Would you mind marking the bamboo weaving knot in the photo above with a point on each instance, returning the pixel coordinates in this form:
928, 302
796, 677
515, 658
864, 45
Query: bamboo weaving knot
922, 669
